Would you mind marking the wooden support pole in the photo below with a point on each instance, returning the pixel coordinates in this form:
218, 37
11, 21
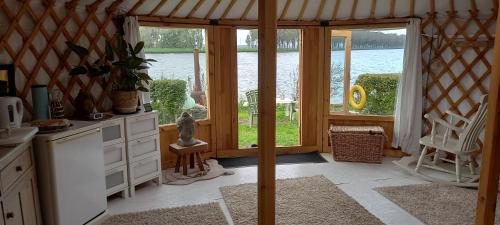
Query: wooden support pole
488, 184
267, 113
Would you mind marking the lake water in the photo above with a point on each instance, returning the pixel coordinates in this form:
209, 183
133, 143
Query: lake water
180, 66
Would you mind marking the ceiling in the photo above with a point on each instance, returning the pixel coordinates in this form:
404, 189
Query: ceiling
305, 10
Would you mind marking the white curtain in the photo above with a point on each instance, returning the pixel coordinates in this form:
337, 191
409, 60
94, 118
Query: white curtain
132, 35
408, 113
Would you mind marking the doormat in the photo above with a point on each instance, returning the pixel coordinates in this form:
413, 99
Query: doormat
312, 157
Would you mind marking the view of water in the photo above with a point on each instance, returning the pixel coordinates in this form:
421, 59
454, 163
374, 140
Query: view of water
180, 66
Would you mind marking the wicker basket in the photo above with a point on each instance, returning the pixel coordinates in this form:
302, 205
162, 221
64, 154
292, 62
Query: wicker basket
357, 143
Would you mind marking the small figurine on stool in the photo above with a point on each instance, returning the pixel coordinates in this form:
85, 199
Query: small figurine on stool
185, 126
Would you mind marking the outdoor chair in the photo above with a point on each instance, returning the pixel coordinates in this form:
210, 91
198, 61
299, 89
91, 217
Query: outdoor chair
253, 107
464, 148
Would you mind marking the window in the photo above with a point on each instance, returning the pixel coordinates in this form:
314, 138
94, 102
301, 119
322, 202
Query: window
370, 59
179, 77
287, 95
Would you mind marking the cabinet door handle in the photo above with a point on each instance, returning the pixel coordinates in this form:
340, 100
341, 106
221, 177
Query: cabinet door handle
19, 168
9, 215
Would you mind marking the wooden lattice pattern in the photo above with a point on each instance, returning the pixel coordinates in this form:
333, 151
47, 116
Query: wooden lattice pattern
457, 60
34, 40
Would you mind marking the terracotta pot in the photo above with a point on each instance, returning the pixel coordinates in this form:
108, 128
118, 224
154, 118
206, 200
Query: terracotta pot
125, 101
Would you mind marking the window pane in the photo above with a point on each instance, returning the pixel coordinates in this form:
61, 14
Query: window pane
376, 66
287, 84
287, 95
248, 70
337, 74
179, 77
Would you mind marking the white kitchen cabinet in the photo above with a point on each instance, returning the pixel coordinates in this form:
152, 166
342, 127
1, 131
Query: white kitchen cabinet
19, 200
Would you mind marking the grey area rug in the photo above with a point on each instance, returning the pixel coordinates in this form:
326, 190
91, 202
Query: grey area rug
212, 170
306, 200
436, 204
205, 214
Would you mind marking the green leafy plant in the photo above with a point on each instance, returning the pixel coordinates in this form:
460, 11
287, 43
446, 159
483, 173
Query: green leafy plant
92, 67
381, 90
168, 97
131, 66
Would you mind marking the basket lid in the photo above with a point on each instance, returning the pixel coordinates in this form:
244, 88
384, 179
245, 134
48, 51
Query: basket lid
357, 129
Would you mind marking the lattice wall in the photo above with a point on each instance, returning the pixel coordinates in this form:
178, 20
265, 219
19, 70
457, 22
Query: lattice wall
457, 60
33, 38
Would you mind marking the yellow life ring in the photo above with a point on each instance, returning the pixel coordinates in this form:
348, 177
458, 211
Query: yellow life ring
362, 101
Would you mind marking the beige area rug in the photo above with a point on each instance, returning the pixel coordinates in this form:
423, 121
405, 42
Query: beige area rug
206, 214
436, 204
306, 200
212, 167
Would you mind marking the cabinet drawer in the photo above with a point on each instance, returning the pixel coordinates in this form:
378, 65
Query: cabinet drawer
12, 210
141, 126
113, 131
15, 169
116, 180
143, 147
145, 170
115, 155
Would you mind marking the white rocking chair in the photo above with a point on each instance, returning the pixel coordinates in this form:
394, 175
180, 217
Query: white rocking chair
463, 148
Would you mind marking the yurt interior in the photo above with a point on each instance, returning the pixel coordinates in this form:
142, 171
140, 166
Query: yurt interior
171, 112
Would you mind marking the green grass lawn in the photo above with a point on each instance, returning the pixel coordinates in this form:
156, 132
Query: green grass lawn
287, 133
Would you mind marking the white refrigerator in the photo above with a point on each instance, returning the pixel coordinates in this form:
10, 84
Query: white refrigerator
70, 170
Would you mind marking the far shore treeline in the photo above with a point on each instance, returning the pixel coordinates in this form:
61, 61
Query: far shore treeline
183, 40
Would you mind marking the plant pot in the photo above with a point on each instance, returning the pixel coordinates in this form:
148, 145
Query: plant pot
125, 101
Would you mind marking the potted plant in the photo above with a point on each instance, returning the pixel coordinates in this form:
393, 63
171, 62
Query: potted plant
130, 66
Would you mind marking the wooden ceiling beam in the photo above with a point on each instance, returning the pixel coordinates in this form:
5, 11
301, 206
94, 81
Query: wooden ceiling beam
247, 10
212, 9
228, 9
302, 10
353, 9
392, 8
372, 8
166, 21
319, 12
451, 3
176, 9
432, 6
285, 10
135, 7
412, 8
157, 7
336, 9
473, 5
195, 8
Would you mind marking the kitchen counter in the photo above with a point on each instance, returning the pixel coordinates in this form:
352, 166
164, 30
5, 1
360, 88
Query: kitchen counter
9, 153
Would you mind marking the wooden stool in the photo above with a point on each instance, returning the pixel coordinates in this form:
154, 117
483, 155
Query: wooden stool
192, 151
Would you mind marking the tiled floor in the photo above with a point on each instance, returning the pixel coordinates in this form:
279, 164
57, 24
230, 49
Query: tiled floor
356, 179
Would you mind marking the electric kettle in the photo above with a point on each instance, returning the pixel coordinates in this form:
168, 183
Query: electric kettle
11, 112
